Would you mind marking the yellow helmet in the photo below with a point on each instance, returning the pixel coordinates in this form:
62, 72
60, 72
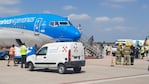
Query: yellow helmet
147, 42
119, 44
128, 44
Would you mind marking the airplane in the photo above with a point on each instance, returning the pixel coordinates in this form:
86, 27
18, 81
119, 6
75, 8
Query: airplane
37, 28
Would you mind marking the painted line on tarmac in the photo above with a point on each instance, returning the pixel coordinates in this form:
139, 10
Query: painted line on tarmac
109, 79
122, 66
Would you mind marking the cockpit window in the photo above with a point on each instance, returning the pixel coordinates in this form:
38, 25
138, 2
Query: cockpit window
63, 23
60, 23
70, 23
52, 23
56, 23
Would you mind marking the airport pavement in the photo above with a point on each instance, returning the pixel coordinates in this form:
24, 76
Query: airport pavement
96, 71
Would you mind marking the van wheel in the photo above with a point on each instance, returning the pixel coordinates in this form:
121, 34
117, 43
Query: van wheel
6, 57
77, 69
30, 66
61, 69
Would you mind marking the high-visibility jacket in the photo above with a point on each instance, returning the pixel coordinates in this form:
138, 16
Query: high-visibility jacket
23, 50
142, 50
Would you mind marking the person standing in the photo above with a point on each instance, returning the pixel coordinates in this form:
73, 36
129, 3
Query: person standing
101, 48
132, 55
11, 55
142, 52
23, 52
126, 53
137, 52
119, 54
146, 50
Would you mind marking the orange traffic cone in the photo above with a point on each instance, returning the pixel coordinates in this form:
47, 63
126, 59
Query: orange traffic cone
112, 62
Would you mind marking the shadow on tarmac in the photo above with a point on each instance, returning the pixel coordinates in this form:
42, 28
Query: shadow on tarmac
55, 71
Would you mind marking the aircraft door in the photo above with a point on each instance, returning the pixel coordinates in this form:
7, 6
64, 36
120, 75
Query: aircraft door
37, 26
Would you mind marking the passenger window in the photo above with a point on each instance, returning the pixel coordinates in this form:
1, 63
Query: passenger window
54, 24
42, 51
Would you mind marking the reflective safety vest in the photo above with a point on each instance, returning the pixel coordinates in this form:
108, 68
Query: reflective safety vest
142, 50
23, 50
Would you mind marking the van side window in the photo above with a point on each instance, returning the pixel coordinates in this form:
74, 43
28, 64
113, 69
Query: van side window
42, 51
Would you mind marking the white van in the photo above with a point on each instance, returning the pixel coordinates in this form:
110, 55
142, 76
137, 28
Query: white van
59, 55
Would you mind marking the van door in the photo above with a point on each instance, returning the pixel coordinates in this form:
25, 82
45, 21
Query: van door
77, 52
41, 57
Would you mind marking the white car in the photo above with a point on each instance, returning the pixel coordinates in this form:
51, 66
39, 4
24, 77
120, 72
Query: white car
114, 49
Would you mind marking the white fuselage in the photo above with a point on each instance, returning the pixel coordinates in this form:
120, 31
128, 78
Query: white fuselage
9, 36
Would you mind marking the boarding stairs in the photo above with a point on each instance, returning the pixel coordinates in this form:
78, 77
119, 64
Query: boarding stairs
91, 51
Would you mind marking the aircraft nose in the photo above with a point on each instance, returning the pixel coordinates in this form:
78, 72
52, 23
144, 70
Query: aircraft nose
70, 34
76, 35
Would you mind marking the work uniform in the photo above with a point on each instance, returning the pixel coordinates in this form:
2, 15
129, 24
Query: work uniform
126, 53
142, 52
132, 55
119, 55
23, 52
146, 50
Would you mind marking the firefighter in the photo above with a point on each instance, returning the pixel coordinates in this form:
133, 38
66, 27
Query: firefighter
119, 54
126, 53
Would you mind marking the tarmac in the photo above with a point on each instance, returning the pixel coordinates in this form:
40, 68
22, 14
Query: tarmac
96, 71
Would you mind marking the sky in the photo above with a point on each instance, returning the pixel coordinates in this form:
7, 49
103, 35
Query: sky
105, 20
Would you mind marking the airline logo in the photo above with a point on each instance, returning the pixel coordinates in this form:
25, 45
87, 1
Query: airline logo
17, 20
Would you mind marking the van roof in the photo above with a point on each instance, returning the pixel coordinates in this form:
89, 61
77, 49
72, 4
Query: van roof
60, 43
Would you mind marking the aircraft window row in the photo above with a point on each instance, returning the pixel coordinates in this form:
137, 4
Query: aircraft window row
60, 23
20, 26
